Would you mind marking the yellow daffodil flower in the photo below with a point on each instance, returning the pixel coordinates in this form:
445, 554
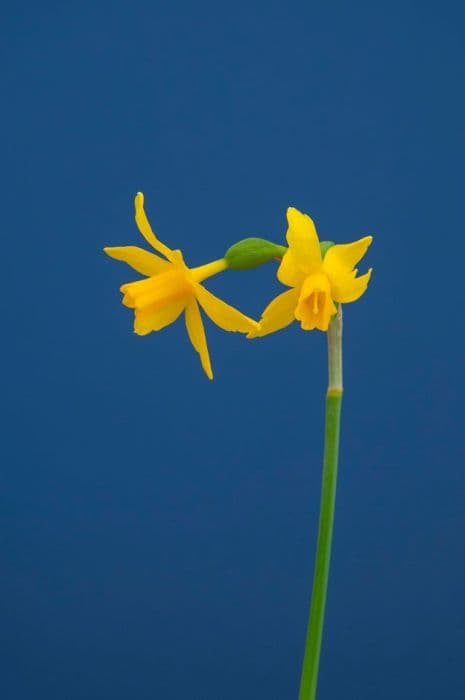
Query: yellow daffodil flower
316, 282
171, 287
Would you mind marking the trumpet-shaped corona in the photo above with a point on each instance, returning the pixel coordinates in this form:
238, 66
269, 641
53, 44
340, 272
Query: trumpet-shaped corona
171, 288
316, 282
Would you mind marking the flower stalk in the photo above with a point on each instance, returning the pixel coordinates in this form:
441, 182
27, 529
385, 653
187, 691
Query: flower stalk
311, 661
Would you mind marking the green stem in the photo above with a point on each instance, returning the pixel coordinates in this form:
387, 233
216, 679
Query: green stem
310, 666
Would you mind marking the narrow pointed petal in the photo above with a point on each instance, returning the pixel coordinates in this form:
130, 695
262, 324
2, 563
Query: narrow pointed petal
303, 240
343, 257
225, 316
278, 314
146, 230
139, 259
347, 288
196, 332
148, 320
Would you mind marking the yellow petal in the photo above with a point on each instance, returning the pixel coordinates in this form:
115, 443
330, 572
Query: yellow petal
146, 230
225, 316
343, 257
278, 314
289, 271
139, 259
176, 258
148, 320
196, 332
303, 240
347, 288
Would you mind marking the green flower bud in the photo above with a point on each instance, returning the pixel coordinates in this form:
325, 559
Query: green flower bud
252, 252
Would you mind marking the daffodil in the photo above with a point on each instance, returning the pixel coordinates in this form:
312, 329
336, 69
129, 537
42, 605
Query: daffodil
317, 282
170, 288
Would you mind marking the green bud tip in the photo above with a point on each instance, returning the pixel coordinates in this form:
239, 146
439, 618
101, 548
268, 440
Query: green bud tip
325, 246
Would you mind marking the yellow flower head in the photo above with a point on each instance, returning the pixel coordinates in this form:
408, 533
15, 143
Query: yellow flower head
170, 288
317, 282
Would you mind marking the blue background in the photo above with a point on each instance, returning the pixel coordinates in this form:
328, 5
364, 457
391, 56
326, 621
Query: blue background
157, 529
